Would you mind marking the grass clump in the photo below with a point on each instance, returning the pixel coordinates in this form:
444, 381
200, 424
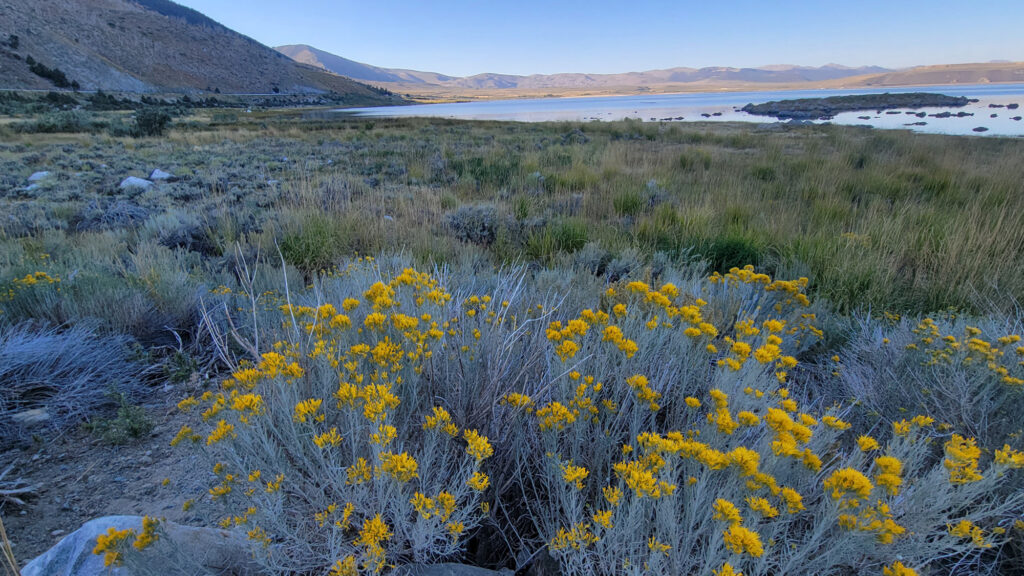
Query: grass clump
130, 423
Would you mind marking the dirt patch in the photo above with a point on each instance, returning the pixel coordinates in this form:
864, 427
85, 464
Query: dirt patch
80, 477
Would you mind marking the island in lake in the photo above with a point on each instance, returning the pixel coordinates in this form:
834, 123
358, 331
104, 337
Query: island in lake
826, 108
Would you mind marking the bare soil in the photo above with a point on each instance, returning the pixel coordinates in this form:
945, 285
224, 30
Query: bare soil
80, 477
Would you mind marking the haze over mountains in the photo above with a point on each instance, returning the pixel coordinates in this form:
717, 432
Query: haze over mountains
148, 46
769, 74
681, 79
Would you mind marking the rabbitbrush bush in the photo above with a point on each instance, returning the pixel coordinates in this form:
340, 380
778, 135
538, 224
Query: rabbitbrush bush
377, 417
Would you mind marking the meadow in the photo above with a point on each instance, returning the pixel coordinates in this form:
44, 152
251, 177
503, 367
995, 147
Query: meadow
614, 348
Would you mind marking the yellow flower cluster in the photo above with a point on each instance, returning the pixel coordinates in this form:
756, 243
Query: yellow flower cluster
574, 475
962, 460
109, 545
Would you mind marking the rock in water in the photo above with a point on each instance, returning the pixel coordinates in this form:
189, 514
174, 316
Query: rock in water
180, 551
134, 182
159, 174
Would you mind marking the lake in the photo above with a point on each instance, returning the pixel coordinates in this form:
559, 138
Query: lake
724, 107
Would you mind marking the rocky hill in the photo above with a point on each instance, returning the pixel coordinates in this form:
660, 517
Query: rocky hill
146, 46
306, 54
981, 73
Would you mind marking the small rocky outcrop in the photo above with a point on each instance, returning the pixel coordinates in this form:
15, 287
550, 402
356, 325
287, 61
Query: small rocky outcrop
826, 108
135, 182
159, 174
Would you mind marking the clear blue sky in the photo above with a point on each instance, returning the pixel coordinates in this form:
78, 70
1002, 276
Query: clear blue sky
464, 37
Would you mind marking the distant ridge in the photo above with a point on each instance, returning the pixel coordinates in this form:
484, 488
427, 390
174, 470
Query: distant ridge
776, 74
148, 46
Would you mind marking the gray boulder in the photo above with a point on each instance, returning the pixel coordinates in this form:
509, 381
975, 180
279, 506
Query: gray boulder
159, 174
39, 176
180, 551
134, 182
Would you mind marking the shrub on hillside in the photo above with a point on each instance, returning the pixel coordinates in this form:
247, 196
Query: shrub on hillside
151, 121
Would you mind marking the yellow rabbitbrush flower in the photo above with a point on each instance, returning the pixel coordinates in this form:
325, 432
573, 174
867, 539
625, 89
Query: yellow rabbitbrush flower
762, 506
1009, 457
308, 410
401, 467
345, 567
848, 481
574, 475
148, 534
726, 511
603, 518
477, 446
479, 481
109, 545
726, 570
578, 538
898, 569
220, 432
739, 540
967, 529
329, 438
890, 469
962, 460
867, 443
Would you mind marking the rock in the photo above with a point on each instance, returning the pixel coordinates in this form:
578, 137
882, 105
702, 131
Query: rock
159, 174
208, 550
39, 176
134, 182
1012, 106
995, 106
993, 115
447, 570
980, 129
30, 417
1016, 118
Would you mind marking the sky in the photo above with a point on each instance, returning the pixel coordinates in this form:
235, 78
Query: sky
465, 37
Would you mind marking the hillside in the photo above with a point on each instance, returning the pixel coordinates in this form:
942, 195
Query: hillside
983, 73
305, 54
146, 46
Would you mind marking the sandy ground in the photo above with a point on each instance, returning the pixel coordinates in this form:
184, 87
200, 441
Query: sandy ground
80, 477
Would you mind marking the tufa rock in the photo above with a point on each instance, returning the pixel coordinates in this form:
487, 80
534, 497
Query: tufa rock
180, 551
134, 182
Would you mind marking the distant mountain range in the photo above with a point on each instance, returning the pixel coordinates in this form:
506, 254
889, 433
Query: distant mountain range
147, 46
432, 85
780, 74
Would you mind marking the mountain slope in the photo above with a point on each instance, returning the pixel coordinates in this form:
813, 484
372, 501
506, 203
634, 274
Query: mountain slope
146, 46
768, 74
306, 54
948, 74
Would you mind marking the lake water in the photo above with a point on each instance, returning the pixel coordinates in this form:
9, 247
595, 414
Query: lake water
724, 107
